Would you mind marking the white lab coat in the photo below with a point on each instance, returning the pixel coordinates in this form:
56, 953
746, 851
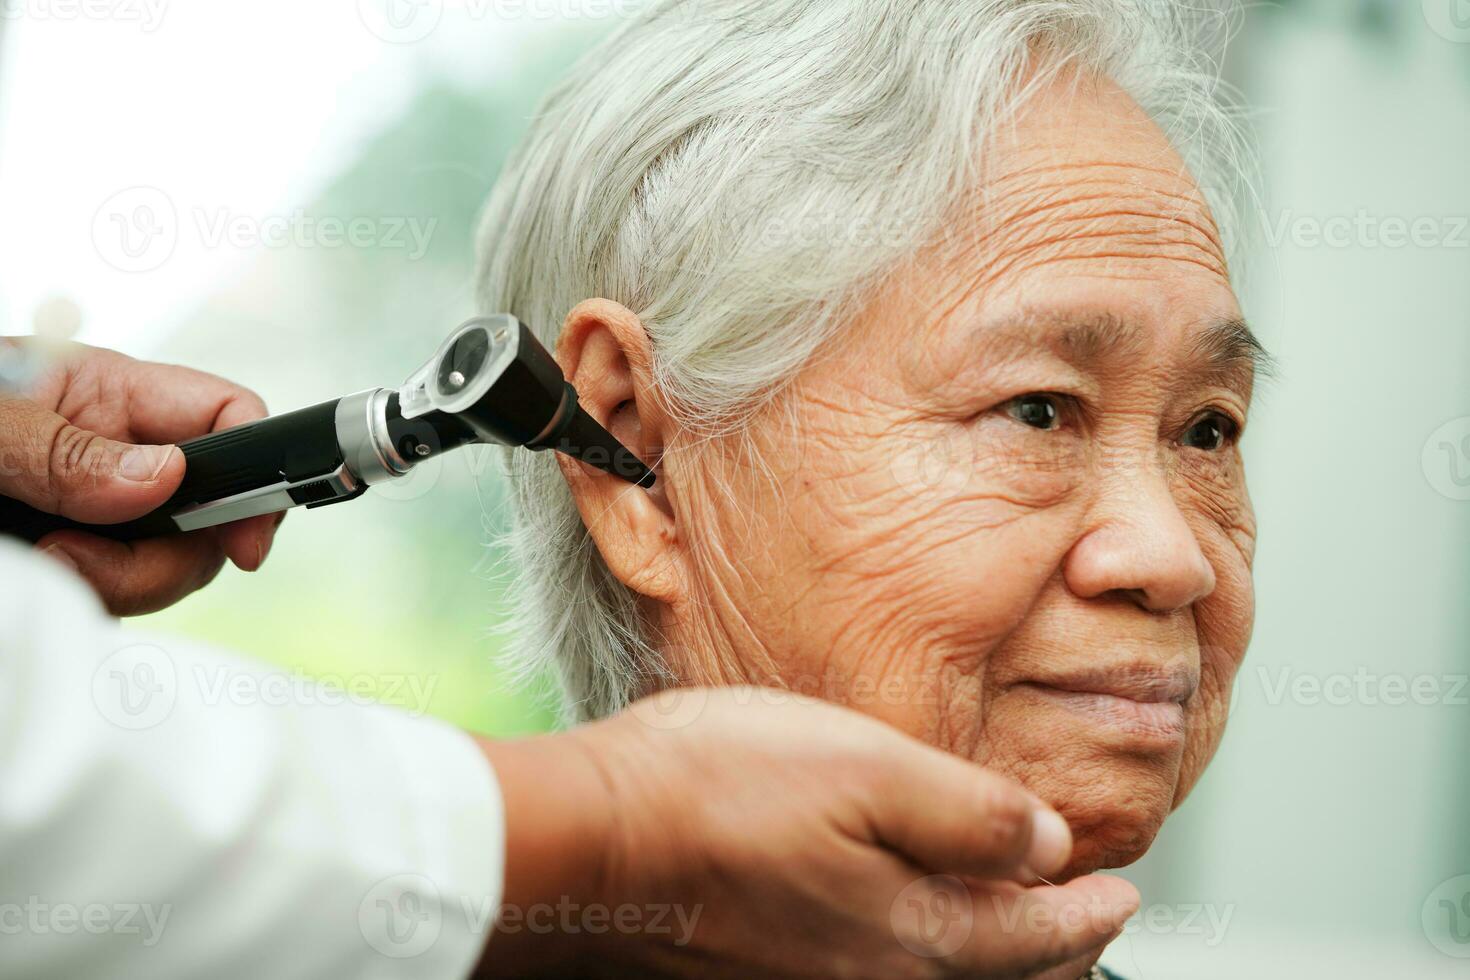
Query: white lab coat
168, 812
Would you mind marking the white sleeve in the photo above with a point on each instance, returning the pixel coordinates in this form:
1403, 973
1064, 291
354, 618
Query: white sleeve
169, 812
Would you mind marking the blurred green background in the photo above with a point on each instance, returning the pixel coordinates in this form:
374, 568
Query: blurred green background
1324, 833
405, 581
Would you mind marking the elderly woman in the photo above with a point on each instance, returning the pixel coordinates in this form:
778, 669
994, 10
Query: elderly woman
923, 315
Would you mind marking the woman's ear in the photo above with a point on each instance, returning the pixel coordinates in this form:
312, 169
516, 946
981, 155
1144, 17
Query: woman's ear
605, 354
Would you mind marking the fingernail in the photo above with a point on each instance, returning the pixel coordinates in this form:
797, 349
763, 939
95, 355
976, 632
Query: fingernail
142, 463
56, 553
1051, 842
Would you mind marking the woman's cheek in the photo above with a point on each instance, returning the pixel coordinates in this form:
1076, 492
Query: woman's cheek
1209, 711
981, 551
1219, 510
934, 485
917, 566
1212, 486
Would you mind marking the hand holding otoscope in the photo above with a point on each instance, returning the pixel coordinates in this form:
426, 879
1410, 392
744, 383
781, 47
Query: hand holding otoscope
490, 381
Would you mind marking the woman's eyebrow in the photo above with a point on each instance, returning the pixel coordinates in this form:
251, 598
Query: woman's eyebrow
1231, 353
1081, 340
1225, 349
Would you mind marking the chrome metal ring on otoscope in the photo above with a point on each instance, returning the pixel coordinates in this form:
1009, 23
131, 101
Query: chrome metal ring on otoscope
490, 381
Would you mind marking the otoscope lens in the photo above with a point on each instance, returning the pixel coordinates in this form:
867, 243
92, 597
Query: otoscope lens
463, 362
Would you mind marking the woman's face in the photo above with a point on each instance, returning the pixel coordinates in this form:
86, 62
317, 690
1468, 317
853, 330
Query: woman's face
1008, 512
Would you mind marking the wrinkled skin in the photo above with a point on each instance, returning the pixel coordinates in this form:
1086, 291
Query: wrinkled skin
1016, 473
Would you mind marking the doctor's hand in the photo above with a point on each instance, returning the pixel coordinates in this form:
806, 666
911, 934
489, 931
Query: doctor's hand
93, 438
740, 832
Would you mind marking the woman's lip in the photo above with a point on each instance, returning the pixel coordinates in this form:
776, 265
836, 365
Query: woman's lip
1157, 720
1147, 683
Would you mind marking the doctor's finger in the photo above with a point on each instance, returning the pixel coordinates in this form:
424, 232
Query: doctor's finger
139, 577
55, 466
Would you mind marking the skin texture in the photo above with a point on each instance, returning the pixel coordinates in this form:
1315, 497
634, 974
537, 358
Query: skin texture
920, 552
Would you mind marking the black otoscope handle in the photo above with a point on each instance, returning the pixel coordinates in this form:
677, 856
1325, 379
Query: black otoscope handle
290, 447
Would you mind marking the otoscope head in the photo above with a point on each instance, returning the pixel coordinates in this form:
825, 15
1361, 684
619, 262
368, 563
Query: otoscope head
494, 376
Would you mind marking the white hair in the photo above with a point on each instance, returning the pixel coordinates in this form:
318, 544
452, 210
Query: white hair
690, 168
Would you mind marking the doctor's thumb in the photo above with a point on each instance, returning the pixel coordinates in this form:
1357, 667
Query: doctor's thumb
55, 466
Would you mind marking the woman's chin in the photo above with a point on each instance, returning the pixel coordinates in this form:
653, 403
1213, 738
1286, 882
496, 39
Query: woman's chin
1116, 843
1114, 787
1114, 814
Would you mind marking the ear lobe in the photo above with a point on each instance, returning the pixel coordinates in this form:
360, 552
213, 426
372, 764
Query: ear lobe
605, 354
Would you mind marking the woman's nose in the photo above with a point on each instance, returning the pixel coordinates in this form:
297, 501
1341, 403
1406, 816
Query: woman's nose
1139, 545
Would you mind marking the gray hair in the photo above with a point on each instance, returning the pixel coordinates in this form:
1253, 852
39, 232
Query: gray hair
690, 168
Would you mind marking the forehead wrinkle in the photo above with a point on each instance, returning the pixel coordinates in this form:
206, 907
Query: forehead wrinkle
1101, 235
1028, 221
1139, 247
1090, 165
1053, 208
1039, 179
1121, 209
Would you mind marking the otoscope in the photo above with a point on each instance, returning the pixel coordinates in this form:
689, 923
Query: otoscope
491, 381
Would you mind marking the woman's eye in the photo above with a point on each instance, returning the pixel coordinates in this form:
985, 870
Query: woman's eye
1210, 433
1037, 411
